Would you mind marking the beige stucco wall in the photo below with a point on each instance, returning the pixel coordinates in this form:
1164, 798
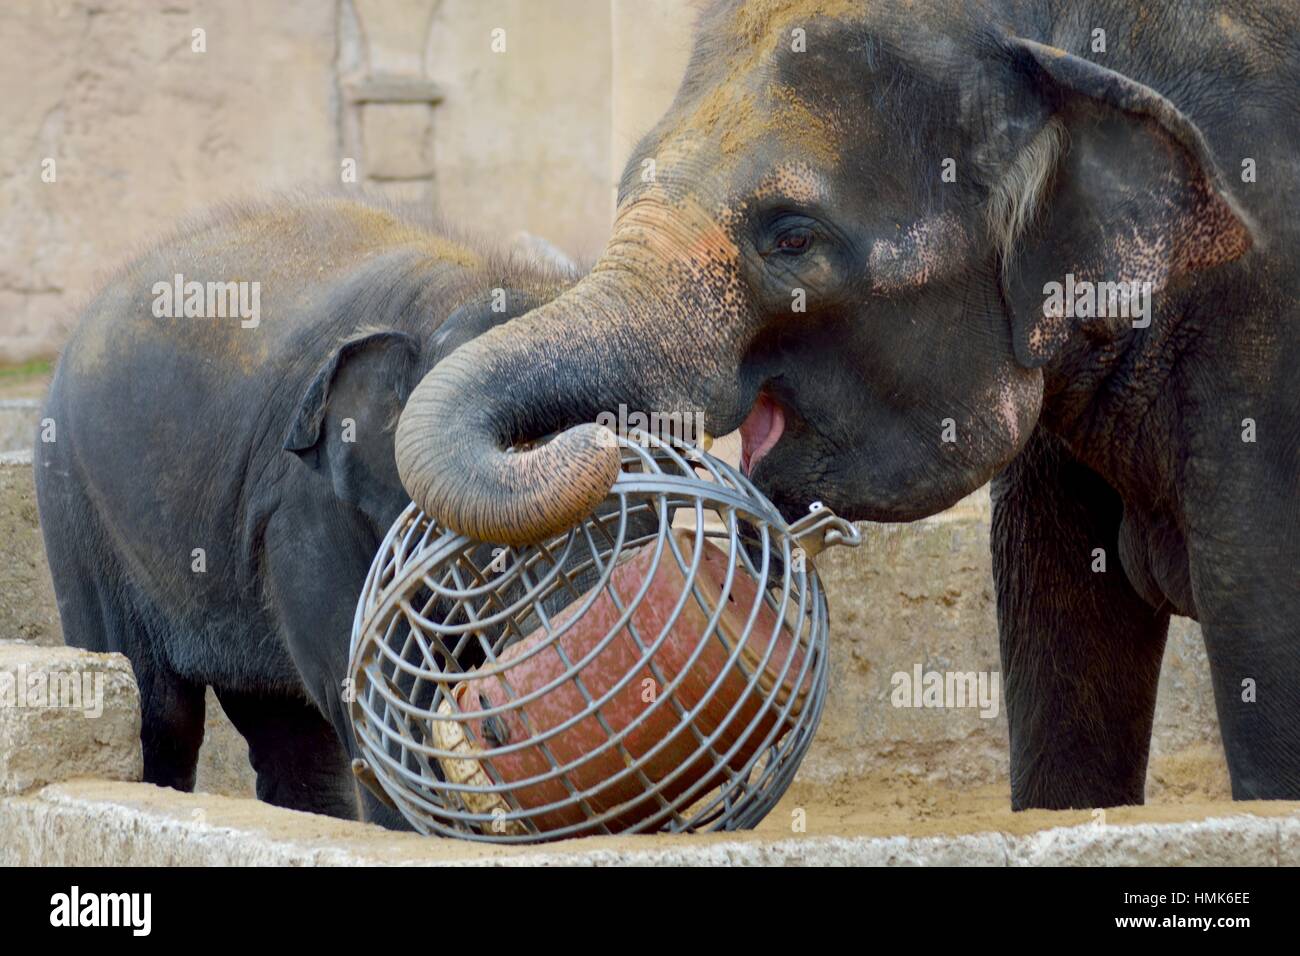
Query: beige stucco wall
651, 44
143, 130
522, 139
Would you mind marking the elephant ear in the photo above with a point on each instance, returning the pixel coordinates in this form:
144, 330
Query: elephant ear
1133, 195
344, 422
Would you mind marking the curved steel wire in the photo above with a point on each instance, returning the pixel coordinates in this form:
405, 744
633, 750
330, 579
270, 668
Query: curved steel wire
438, 609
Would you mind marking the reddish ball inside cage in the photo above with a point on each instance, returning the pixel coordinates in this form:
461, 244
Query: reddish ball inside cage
660, 667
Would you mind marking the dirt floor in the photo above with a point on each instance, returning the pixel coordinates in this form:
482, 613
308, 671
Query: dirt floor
897, 805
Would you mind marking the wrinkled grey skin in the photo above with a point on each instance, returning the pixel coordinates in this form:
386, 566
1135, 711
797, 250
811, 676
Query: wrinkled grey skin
821, 171
179, 434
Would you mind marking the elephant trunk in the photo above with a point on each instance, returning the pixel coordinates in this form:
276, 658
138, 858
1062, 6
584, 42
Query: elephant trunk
652, 329
558, 366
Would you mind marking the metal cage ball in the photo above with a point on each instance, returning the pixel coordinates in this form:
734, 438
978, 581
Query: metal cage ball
660, 667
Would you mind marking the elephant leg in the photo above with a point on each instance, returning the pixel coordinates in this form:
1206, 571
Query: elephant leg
1257, 695
1081, 650
295, 752
171, 728
315, 601
98, 614
374, 810
1245, 573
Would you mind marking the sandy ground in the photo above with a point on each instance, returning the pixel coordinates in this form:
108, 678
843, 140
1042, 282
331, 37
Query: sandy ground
881, 805
900, 805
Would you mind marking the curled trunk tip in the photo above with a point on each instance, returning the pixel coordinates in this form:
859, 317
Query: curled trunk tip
459, 475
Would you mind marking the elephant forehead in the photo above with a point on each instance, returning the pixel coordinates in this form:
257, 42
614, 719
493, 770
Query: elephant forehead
796, 181
735, 119
761, 25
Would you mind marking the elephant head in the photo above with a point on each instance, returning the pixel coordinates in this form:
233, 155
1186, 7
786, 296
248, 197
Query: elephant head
837, 240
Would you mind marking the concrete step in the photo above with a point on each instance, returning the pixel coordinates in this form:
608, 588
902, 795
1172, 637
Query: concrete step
18, 418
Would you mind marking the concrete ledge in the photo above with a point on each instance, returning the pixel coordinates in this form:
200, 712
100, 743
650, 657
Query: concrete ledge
1238, 840
94, 823
66, 713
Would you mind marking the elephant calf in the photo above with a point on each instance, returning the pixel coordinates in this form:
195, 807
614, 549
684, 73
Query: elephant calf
222, 471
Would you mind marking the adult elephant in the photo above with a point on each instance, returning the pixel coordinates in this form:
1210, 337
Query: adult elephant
846, 244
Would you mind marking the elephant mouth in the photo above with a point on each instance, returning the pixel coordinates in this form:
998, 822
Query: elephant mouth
760, 431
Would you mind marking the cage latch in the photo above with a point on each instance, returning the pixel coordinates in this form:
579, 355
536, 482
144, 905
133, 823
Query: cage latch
822, 528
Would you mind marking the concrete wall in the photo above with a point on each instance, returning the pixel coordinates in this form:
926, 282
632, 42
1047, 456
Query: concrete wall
522, 139
142, 131
922, 595
651, 44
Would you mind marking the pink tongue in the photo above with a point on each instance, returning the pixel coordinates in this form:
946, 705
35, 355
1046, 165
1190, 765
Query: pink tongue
759, 432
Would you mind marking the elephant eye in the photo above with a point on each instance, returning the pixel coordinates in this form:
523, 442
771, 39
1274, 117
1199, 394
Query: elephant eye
794, 242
